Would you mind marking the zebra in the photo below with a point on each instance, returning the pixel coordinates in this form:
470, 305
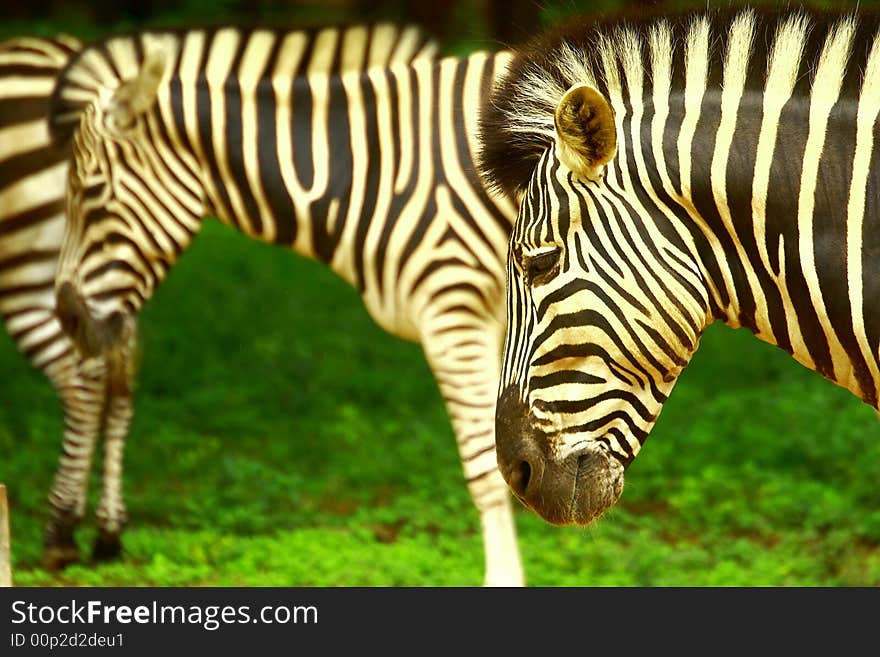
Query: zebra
95, 392
370, 170
673, 172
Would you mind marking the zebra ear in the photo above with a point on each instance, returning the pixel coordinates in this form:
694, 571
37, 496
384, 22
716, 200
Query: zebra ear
136, 95
586, 136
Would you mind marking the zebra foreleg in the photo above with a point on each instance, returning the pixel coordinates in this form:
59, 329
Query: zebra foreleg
83, 403
111, 515
467, 370
503, 566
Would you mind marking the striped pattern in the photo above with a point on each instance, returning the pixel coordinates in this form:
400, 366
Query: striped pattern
362, 161
33, 178
745, 188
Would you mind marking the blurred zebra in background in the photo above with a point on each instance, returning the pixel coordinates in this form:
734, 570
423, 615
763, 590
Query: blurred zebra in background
95, 392
369, 169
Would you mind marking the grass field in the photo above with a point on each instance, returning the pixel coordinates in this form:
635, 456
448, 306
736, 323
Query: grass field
281, 438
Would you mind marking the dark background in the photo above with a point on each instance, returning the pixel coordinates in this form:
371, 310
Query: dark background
486, 22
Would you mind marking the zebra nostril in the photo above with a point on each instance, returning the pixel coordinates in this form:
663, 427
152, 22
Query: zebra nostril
519, 478
66, 308
113, 325
69, 323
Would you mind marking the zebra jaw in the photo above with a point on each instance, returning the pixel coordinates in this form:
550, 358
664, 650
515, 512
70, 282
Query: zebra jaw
92, 337
574, 489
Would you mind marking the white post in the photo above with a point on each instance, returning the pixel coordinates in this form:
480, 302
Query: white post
5, 555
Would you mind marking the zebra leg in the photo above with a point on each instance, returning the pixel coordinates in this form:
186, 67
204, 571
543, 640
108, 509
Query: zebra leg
466, 365
83, 402
110, 515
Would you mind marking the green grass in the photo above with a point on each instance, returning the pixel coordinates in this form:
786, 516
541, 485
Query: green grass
281, 438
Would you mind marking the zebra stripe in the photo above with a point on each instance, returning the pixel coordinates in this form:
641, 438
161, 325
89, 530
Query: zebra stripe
367, 167
33, 177
743, 188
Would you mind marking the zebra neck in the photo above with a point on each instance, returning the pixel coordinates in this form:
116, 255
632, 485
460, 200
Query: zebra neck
779, 203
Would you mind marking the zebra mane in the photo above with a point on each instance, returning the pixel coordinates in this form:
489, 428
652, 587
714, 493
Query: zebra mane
617, 55
327, 50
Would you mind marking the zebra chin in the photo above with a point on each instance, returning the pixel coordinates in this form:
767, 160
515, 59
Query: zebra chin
575, 489
92, 337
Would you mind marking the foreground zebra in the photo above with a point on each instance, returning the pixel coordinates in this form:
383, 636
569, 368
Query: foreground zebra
95, 394
370, 170
677, 172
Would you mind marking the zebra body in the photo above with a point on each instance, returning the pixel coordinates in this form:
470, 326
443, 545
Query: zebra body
95, 394
367, 168
677, 172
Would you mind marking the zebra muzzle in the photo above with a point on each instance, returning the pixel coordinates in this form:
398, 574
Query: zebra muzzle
92, 337
574, 489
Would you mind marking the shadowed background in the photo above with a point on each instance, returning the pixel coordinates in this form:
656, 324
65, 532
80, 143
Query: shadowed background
281, 438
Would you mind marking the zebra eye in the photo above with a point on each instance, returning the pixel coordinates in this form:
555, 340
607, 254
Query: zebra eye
540, 267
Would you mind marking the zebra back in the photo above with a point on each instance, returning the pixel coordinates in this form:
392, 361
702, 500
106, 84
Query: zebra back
315, 52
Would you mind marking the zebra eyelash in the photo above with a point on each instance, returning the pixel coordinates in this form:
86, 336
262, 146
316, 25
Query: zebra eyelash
539, 265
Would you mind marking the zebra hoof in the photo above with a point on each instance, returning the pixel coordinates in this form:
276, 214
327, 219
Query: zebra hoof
58, 557
107, 547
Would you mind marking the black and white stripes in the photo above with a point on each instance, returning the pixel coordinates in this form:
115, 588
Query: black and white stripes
33, 180
743, 186
358, 152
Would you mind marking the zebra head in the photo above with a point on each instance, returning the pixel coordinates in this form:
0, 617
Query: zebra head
602, 318
131, 204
